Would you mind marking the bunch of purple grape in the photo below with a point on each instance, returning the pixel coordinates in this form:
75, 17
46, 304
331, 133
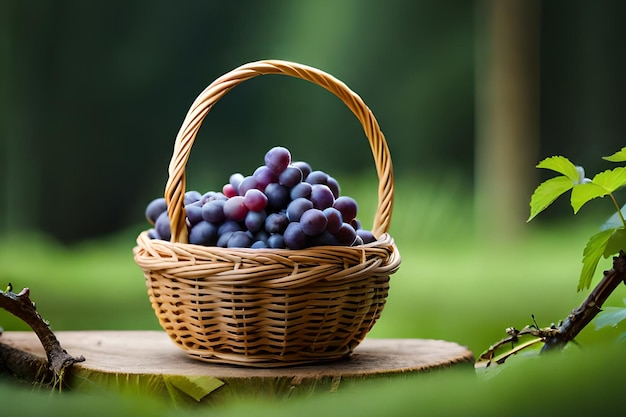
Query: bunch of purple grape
283, 204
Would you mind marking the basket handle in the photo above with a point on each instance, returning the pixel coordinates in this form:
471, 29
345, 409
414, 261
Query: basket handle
176, 183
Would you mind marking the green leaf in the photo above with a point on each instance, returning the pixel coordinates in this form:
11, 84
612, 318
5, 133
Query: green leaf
610, 317
547, 192
611, 180
196, 387
562, 165
591, 256
616, 242
615, 221
619, 156
583, 193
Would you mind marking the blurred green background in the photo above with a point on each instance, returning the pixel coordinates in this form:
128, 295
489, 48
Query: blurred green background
470, 95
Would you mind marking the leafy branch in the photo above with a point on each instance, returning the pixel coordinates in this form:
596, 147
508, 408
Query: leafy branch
609, 241
612, 236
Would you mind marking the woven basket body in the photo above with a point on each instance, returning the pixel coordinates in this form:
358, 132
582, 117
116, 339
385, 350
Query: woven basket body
268, 307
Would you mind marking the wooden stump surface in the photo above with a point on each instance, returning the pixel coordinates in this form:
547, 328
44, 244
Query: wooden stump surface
151, 362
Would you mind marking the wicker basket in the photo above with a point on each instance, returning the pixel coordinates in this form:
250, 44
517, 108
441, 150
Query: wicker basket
268, 307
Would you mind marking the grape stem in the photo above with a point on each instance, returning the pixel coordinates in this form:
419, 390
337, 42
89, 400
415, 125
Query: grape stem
21, 306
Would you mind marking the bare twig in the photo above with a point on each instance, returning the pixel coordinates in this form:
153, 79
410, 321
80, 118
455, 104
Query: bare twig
21, 306
538, 336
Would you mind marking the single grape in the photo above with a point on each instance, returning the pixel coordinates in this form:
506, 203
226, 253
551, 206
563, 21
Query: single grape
228, 226
357, 241
235, 208
155, 208
229, 191
317, 177
304, 167
264, 176
334, 186
366, 235
162, 226
277, 196
276, 222
255, 220
290, 176
277, 159
313, 222
194, 212
294, 236
302, 189
191, 197
345, 235
297, 207
203, 233
255, 200
248, 183
152, 234
347, 206
356, 224
239, 239
213, 211
334, 219
259, 244
322, 197
276, 241
235, 179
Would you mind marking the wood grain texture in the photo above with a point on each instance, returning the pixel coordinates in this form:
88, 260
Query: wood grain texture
121, 359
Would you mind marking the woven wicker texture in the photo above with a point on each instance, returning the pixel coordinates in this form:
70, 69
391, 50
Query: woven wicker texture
268, 307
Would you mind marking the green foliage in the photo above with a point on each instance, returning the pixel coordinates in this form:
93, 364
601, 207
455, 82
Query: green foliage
547, 192
553, 188
610, 317
591, 256
612, 237
619, 156
561, 165
601, 185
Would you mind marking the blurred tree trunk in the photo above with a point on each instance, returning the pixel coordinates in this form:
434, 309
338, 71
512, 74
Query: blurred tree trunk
507, 114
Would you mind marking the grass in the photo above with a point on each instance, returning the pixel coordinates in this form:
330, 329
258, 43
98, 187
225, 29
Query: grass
451, 284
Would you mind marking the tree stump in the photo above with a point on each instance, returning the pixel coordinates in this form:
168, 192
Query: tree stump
147, 362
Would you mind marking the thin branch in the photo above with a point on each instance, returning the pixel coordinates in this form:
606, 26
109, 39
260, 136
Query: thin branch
21, 306
590, 307
556, 337
538, 336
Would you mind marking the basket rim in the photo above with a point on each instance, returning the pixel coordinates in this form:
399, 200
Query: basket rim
280, 268
176, 184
